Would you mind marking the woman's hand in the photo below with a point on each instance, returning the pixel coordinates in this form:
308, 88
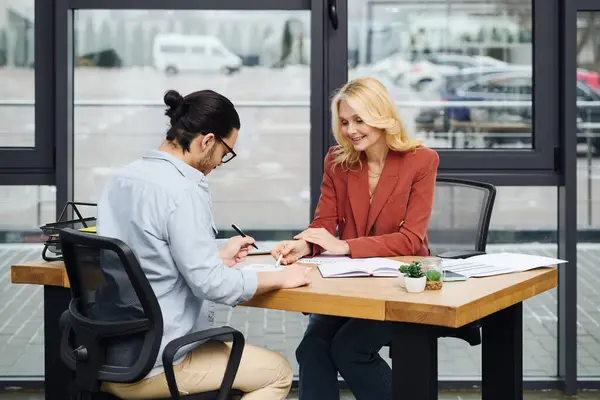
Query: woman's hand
235, 250
322, 237
292, 251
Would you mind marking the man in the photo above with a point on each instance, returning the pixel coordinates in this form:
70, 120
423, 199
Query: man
160, 206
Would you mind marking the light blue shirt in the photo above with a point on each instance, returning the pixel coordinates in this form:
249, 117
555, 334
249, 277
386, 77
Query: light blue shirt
161, 207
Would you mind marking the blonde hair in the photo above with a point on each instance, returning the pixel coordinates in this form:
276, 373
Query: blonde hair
369, 98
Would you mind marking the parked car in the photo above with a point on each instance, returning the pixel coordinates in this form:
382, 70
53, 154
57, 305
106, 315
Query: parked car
173, 53
501, 88
435, 66
589, 77
445, 89
108, 58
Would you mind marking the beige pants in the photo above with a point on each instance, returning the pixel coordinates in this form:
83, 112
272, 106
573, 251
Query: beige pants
263, 374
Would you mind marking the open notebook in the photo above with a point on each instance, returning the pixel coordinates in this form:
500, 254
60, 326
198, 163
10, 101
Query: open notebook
381, 267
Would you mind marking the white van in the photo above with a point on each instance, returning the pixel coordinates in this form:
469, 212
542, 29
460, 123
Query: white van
173, 53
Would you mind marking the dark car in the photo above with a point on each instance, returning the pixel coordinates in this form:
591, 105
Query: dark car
499, 88
102, 59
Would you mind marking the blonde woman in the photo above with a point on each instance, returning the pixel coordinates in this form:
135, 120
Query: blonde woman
377, 191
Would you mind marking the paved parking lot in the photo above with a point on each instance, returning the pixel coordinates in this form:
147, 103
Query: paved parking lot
21, 322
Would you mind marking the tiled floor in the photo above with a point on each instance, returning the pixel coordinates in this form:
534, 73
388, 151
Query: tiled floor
450, 395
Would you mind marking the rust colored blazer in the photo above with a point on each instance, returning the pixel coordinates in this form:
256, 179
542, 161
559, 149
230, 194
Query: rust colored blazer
395, 222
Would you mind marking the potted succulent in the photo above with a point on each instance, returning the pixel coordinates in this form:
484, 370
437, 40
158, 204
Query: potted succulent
434, 279
414, 278
402, 270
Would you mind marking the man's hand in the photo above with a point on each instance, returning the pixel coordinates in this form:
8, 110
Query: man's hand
235, 250
322, 237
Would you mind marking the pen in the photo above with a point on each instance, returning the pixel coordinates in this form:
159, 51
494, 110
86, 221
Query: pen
279, 260
242, 234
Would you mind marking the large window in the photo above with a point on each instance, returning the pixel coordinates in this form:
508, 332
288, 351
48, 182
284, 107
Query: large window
588, 218
459, 84
127, 60
26, 135
463, 76
24, 209
16, 74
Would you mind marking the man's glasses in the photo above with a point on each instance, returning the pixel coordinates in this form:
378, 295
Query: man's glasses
230, 153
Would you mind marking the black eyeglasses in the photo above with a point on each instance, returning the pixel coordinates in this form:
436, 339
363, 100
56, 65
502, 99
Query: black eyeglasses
230, 153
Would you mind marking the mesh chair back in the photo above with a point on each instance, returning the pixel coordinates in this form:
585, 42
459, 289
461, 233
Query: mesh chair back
113, 313
461, 215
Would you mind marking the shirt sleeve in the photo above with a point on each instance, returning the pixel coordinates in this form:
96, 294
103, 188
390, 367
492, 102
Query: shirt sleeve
195, 252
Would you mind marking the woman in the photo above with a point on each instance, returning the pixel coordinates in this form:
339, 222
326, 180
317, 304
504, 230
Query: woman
377, 190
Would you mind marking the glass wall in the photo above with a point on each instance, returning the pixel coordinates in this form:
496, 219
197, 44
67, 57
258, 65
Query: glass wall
127, 60
16, 73
588, 216
23, 209
460, 71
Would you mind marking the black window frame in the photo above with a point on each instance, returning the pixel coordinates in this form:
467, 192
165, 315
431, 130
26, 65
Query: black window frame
539, 166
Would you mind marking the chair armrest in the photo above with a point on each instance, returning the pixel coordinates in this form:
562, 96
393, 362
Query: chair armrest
224, 333
460, 254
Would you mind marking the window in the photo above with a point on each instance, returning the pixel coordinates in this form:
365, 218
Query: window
198, 50
420, 50
26, 132
588, 212
24, 209
17, 75
119, 111
217, 52
172, 49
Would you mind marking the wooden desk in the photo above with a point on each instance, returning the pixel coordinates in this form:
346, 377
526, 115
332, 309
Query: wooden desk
497, 301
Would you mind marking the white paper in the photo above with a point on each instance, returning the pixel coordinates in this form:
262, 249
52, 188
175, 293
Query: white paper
325, 259
497, 264
263, 267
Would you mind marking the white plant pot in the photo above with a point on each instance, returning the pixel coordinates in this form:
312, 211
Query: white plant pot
415, 285
401, 280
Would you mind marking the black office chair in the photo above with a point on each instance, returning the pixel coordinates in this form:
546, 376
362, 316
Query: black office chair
113, 328
460, 217
458, 228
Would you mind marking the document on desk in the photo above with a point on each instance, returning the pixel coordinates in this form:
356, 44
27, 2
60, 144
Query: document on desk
325, 259
376, 266
498, 264
263, 267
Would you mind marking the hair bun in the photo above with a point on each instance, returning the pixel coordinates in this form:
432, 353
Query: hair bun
174, 100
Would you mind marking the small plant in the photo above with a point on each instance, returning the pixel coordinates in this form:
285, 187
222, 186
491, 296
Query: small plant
414, 270
434, 280
403, 269
433, 275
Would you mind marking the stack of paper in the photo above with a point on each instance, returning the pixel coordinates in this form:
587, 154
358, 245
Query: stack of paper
497, 264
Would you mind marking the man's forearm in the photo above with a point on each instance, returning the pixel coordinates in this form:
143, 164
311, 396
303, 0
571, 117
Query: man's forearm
269, 281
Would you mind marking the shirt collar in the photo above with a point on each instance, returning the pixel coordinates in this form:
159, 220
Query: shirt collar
184, 169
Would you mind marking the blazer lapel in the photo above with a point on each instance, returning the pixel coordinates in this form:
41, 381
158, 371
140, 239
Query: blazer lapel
385, 187
358, 193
